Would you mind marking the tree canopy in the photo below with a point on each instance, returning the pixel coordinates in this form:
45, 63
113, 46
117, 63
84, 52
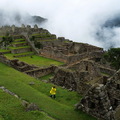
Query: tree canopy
113, 56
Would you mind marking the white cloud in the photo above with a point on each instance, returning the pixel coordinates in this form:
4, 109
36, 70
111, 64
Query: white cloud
78, 20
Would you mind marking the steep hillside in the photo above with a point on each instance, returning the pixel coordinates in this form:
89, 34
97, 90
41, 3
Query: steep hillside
61, 108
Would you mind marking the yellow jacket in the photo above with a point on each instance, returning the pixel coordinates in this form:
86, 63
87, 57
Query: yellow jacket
53, 91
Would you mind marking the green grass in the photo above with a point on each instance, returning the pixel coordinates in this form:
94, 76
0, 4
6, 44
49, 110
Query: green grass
18, 42
12, 109
61, 108
19, 39
105, 74
19, 47
3, 50
25, 53
1, 36
36, 60
46, 77
46, 40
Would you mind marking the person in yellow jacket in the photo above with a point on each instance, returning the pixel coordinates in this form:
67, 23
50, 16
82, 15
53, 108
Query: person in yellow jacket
53, 92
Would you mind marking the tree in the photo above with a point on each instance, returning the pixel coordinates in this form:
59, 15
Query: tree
7, 40
113, 56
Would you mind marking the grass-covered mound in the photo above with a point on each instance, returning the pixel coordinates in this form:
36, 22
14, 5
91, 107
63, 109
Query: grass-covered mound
61, 108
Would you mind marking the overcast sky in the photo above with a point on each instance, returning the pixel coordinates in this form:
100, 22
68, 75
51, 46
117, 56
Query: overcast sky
78, 20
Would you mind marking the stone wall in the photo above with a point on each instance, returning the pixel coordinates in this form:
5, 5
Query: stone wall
54, 54
21, 50
20, 66
78, 80
113, 88
88, 66
65, 78
19, 44
39, 72
82, 47
78, 57
106, 71
30, 43
26, 68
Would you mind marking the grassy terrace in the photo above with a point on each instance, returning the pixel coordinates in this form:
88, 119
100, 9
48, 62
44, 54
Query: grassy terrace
19, 39
2, 50
46, 77
18, 42
36, 60
62, 108
42, 35
46, 40
24, 53
19, 47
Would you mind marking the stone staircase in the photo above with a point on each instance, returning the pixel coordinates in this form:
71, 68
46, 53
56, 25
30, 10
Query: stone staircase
20, 48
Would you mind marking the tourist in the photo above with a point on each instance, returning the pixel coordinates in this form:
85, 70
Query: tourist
53, 92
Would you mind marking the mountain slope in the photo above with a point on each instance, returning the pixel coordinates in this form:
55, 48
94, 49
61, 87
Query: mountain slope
19, 84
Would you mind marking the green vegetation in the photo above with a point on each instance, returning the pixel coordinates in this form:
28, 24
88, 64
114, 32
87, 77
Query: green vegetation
62, 108
36, 60
7, 40
12, 109
46, 77
113, 56
42, 35
19, 42
19, 47
3, 50
46, 40
25, 53
38, 45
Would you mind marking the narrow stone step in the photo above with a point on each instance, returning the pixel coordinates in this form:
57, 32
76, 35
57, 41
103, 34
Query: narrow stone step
16, 50
19, 44
4, 51
19, 40
24, 54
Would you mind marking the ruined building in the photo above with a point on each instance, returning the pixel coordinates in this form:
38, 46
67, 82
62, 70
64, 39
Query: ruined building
84, 71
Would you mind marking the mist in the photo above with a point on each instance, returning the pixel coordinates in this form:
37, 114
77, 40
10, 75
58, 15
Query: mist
95, 22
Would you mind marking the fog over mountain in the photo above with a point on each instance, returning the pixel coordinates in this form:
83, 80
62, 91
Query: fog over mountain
17, 18
96, 22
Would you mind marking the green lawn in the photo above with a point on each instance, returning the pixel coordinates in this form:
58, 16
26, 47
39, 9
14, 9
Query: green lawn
62, 108
36, 60
12, 109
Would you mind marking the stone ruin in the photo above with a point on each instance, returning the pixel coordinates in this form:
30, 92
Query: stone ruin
31, 70
68, 51
13, 30
82, 75
84, 71
103, 101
